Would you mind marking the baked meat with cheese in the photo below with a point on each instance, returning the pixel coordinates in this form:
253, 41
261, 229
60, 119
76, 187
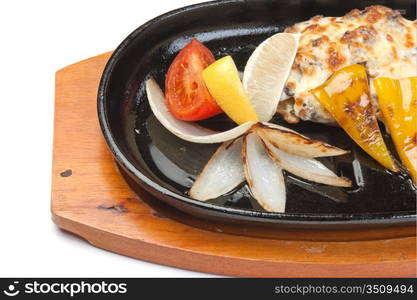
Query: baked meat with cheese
378, 37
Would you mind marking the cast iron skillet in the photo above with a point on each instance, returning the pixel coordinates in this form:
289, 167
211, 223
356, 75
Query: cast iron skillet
166, 166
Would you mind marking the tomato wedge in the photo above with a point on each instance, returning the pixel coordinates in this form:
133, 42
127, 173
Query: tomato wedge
186, 94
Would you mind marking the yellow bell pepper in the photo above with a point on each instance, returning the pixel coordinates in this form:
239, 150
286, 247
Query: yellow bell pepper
397, 101
346, 96
223, 82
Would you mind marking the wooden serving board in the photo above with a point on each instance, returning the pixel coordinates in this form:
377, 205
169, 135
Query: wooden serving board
91, 199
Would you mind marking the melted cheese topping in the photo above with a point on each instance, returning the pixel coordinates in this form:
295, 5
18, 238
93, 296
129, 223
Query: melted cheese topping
378, 37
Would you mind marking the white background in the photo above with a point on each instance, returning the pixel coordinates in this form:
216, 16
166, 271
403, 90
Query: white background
38, 38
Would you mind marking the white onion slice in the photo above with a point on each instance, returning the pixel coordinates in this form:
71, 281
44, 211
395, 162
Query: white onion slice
188, 131
222, 173
264, 177
267, 70
292, 142
308, 168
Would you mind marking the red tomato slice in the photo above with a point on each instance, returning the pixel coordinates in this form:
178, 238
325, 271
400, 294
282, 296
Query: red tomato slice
186, 95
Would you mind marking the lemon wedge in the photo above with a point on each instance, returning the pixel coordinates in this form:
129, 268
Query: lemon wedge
266, 72
223, 82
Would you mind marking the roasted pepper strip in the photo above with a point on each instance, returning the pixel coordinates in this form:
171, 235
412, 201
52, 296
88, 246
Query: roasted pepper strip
346, 96
397, 101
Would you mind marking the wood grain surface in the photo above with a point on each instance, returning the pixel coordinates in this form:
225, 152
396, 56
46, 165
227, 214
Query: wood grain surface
91, 199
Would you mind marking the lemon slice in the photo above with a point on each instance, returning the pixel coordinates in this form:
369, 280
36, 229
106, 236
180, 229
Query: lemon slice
223, 82
266, 72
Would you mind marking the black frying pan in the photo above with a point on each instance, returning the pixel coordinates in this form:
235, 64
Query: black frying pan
152, 158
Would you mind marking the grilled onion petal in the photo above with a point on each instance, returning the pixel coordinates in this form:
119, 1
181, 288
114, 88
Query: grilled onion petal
308, 168
292, 142
222, 173
188, 131
264, 177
